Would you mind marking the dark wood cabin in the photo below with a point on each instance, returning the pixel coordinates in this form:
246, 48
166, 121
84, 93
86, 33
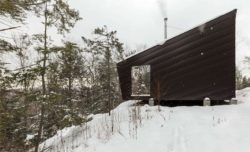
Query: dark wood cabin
191, 66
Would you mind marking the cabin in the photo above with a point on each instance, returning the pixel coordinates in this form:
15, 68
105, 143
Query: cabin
194, 65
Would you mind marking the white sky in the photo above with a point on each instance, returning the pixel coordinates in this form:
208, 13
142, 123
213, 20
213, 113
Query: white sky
140, 22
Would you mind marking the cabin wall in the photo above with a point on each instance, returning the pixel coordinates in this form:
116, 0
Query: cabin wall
196, 64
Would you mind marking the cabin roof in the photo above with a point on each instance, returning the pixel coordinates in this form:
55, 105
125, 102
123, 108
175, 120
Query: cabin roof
175, 39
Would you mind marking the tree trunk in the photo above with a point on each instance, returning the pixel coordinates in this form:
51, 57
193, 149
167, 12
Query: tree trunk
70, 92
109, 86
43, 81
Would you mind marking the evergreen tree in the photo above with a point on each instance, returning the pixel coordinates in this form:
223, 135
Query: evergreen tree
12, 127
15, 91
244, 82
239, 77
70, 68
17, 9
58, 14
106, 49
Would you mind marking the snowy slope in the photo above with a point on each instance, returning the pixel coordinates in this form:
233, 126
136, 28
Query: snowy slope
161, 129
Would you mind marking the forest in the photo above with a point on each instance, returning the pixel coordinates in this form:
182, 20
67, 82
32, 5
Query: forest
66, 83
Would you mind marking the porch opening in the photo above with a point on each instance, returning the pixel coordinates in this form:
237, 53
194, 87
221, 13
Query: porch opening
140, 80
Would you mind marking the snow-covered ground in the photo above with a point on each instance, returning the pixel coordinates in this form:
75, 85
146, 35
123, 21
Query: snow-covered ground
161, 129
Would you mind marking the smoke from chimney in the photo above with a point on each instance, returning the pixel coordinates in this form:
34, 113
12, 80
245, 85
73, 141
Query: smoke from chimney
162, 4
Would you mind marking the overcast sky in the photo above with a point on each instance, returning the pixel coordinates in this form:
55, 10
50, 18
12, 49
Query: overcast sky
140, 22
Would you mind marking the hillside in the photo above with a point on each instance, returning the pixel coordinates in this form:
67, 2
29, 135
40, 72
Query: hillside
160, 129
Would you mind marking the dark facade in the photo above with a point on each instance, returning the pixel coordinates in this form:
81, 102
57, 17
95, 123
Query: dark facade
191, 66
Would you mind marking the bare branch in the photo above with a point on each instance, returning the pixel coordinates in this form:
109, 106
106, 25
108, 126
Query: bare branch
10, 28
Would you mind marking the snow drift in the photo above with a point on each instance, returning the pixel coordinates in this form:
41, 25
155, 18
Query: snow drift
160, 129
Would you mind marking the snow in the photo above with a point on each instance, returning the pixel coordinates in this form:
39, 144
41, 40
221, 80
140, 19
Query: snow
161, 129
202, 28
161, 42
29, 137
140, 95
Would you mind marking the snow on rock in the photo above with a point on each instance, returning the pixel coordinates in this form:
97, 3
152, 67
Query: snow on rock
160, 129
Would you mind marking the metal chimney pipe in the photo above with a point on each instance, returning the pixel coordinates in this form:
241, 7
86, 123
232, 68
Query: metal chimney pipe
165, 27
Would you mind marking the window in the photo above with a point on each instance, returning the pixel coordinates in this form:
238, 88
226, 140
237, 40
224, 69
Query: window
140, 80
